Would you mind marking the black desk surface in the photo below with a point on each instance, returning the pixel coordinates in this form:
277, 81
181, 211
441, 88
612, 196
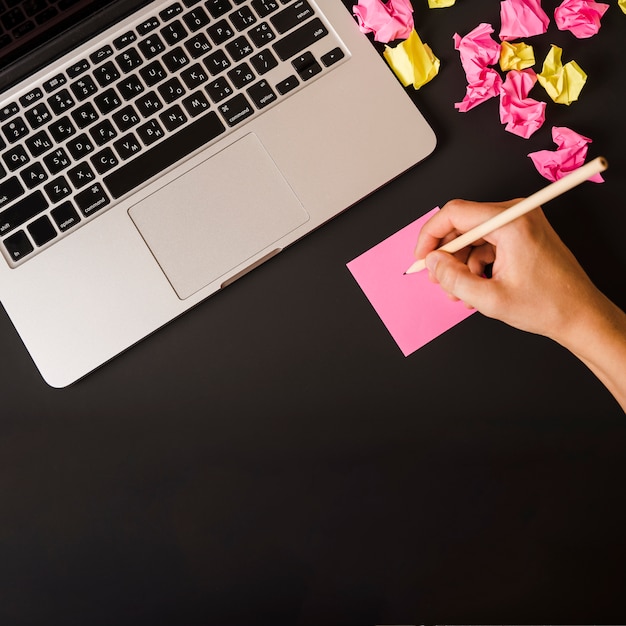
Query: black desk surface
272, 458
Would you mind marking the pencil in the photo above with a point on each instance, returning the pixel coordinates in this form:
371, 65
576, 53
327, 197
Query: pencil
583, 173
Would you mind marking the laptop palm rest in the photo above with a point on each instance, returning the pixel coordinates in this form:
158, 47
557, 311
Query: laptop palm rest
218, 215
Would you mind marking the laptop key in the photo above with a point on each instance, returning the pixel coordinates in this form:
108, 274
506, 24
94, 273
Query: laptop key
236, 109
18, 245
22, 211
299, 39
10, 190
92, 199
164, 154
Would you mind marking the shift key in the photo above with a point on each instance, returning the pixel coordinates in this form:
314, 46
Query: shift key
299, 39
22, 211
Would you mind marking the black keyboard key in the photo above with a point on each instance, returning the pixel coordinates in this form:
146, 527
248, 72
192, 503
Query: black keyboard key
42, 231
241, 75
151, 46
8, 111
83, 88
78, 68
33, 175
130, 87
220, 32
217, 8
330, 58
39, 143
175, 59
293, 15
56, 161
171, 90
196, 103
61, 101
153, 73
124, 40
65, 216
85, 115
80, 147
81, 175
286, 85
54, 83
10, 189
239, 48
106, 74
174, 33
57, 189
171, 11
126, 118
92, 199
265, 7
100, 55
15, 158
217, 62
150, 132
299, 39
236, 109
198, 46
127, 146
306, 66
38, 115
22, 211
148, 26
261, 34
164, 154
173, 118
194, 76
219, 89
108, 100
128, 60
31, 97
196, 19
242, 18
262, 94
263, 61
148, 104
61, 129
18, 245
104, 160
103, 132
15, 129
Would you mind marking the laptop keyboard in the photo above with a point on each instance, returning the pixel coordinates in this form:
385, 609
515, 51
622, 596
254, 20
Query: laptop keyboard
139, 102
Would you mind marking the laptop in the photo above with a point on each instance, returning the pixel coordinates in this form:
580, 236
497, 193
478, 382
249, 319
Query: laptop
151, 153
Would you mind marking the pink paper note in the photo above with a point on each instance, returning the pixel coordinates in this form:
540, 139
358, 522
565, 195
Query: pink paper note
581, 17
390, 21
413, 309
477, 51
522, 18
569, 155
521, 114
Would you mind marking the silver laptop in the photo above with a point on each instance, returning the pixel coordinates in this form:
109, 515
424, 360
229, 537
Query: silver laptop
176, 146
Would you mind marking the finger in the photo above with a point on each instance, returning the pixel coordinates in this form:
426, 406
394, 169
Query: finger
456, 217
480, 257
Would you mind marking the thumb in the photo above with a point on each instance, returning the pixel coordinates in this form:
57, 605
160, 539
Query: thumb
457, 279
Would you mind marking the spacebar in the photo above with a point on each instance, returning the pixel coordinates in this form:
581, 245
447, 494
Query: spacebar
164, 154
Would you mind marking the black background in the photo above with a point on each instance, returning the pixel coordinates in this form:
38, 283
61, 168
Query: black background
272, 458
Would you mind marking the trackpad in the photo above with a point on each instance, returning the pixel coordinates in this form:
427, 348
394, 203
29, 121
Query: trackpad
218, 216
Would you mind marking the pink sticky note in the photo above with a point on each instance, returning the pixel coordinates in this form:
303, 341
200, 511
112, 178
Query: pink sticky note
413, 309
581, 17
388, 21
522, 18
521, 114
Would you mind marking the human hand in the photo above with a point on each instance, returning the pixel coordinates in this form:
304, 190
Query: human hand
536, 283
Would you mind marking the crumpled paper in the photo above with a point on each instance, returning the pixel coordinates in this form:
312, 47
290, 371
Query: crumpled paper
516, 56
563, 83
412, 61
570, 155
581, 17
622, 5
477, 51
441, 4
388, 22
521, 114
522, 18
